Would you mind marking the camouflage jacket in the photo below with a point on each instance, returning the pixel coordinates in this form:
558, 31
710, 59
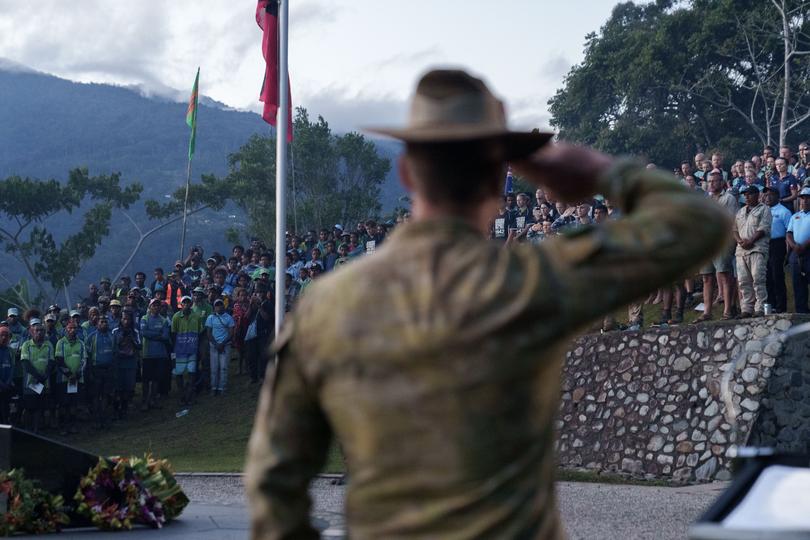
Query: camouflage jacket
436, 364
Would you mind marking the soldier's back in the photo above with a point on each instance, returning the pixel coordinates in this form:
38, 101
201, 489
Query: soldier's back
439, 375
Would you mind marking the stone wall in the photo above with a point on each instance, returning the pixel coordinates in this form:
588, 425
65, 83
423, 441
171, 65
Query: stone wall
648, 403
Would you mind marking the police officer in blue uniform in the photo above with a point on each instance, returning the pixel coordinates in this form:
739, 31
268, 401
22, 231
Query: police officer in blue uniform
798, 240
777, 251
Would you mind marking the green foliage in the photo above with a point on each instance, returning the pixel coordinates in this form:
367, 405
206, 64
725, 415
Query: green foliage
27, 203
232, 235
212, 192
29, 508
17, 296
336, 178
667, 79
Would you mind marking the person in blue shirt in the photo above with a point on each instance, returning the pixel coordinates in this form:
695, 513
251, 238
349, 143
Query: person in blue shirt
232, 275
126, 347
798, 240
220, 327
155, 350
7, 388
777, 251
75, 318
804, 162
101, 361
787, 184
52, 333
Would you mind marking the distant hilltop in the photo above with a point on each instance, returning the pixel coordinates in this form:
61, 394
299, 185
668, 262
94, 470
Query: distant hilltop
50, 125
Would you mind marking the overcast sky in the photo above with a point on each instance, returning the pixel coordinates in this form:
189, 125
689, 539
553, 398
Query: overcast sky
354, 62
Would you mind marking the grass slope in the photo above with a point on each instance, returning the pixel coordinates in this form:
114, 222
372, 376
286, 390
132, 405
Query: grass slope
212, 437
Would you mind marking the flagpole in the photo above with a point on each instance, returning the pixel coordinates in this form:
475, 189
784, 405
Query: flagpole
185, 212
191, 120
281, 162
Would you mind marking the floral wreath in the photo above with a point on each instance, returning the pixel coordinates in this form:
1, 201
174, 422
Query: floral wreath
29, 508
118, 492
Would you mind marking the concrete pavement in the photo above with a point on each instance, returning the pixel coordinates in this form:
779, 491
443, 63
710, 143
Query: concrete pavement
595, 511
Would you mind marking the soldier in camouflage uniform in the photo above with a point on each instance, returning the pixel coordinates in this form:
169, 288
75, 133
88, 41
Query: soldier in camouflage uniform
440, 375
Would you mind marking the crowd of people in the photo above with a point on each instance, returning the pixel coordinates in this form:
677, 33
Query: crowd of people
769, 197
188, 324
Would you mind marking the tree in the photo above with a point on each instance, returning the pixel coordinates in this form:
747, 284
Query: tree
337, 178
762, 72
27, 203
211, 193
668, 79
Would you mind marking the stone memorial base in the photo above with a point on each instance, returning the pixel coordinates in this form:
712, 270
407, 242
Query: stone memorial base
648, 403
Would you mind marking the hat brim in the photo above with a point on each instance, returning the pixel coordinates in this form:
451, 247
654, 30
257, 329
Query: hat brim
513, 144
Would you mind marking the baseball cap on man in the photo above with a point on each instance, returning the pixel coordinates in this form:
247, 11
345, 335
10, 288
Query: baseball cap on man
219, 301
74, 313
746, 189
13, 312
805, 192
34, 322
453, 106
115, 303
185, 299
50, 317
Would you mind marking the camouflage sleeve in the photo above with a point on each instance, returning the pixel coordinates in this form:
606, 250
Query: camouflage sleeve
288, 447
666, 231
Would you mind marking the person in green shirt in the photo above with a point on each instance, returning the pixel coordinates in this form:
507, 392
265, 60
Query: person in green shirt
265, 262
186, 328
202, 308
89, 326
343, 255
37, 360
70, 357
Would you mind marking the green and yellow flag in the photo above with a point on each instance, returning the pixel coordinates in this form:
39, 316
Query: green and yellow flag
191, 115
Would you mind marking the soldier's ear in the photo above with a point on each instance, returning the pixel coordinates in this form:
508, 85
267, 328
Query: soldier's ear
405, 176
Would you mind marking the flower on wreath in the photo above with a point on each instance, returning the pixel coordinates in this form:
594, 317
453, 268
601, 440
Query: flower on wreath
121, 491
109, 495
28, 508
157, 477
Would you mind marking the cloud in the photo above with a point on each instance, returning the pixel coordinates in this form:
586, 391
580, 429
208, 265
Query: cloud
531, 119
311, 14
405, 59
555, 67
122, 43
348, 111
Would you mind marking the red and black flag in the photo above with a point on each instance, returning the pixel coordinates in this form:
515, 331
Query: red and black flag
267, 19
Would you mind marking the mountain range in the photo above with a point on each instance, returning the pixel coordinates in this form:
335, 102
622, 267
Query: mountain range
50, 125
